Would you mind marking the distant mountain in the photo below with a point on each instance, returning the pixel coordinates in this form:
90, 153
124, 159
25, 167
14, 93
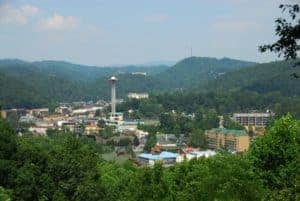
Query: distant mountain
195, 71
34, 84
157, 63
24, 85
262, 78
82, 72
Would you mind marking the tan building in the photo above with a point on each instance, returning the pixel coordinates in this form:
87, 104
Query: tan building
3, 114
91, 129
233, 140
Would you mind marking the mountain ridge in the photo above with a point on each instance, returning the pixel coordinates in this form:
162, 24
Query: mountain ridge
33, 84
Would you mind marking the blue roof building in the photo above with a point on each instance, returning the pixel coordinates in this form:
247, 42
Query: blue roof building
167, 158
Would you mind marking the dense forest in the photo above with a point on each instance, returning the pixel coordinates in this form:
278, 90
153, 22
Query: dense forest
63, 167
261, 78
196, 71
223, 102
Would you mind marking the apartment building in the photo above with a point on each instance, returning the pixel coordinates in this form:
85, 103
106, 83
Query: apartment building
233, 140
252, 119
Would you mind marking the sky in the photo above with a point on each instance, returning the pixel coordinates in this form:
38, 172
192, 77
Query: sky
109, 32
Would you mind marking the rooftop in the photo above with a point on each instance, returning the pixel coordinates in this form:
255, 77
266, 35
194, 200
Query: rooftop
113, 78
229, 131
161, 156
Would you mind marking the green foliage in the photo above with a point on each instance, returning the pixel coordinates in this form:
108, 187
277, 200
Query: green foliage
225, 102
125, 141
274, 157
207, 119
151, 142
262, 78
8, 148
144, 108
288, 31
4, 194
230, 124
196, 71
27, 85
62, 167
107, 132
197, 139
224, 177
175, 123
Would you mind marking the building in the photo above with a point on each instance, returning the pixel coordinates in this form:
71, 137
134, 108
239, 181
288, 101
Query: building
117, 116
27, 119
167, 141
39, 112
91, 129
130, 126
41, 128
199, 154
252, 119
64, 110
137, 95
166, 158
86, 110
233, 140
13, 112
68, 126
139, 73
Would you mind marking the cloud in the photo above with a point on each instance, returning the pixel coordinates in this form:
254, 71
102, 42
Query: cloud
159, 17
236, 26
19, 16
59, 22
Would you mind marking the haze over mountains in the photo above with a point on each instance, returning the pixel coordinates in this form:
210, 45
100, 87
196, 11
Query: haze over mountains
33, 84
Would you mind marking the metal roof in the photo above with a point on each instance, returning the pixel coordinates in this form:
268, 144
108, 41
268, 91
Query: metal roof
228, 131
161, 156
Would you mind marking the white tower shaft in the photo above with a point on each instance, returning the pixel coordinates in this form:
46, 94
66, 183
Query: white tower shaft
113, 98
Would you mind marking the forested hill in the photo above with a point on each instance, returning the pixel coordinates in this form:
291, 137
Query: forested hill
195, 71
261, 78
85, 73
34, 84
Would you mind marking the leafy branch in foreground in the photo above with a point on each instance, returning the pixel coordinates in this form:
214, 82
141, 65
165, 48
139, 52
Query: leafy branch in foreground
288, 31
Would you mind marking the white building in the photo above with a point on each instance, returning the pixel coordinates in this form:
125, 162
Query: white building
253, 119
167, 158
137, 95
199, 154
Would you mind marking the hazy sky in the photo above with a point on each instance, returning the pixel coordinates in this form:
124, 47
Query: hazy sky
103, 32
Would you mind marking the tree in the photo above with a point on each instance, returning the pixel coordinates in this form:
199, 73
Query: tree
107, 132
4, 195
125, 141
151, 142
98, 113
230, 124
288, 32
197, 139
8, 148
101, 123
274, 158
136, 141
